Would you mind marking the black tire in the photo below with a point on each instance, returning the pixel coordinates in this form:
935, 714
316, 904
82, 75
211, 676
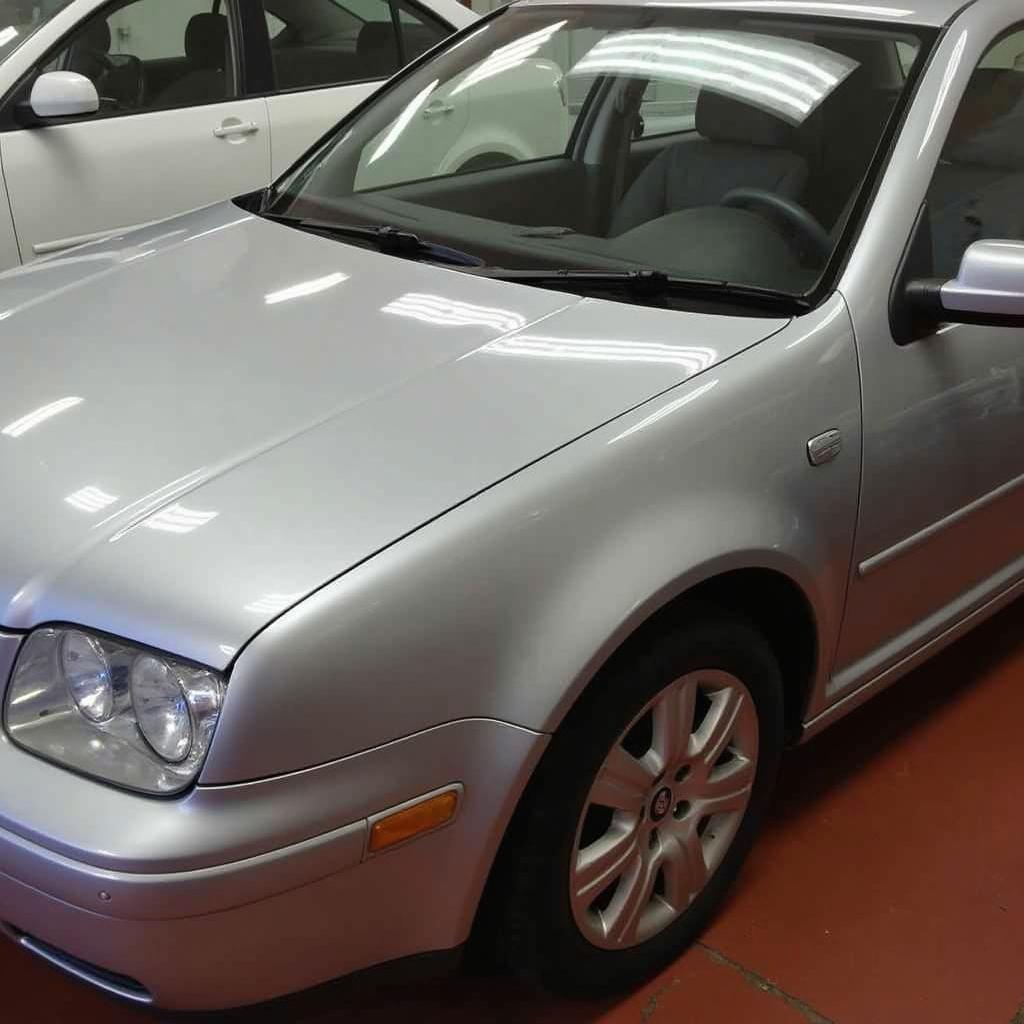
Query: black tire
540, 938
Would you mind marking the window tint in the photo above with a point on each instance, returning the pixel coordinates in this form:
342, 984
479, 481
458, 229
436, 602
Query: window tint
976, 191
151, 55
325, 42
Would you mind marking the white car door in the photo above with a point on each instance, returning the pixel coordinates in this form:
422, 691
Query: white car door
329, 55
170, 136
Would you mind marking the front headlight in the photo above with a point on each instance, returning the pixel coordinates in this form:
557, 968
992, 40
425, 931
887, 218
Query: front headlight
108, 709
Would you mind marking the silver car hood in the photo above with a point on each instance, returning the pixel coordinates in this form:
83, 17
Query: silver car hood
204, 421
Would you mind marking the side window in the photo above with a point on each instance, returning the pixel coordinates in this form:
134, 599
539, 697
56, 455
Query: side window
668, 107
976, 191
151, 55
330, 42
419, 32
275, 26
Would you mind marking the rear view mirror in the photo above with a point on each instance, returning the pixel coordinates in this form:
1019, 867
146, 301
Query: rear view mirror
57, 97
989, 289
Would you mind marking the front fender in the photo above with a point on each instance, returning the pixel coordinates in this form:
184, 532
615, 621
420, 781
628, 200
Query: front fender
505, 607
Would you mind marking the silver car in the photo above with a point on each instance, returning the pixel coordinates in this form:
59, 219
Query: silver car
381, 560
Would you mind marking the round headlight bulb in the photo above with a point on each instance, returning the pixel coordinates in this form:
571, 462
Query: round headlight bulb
87, 675
161, 708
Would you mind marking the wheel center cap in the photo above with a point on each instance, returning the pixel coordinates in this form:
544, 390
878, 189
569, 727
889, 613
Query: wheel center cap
661, 803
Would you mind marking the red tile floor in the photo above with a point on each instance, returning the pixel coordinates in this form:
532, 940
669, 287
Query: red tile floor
888, 887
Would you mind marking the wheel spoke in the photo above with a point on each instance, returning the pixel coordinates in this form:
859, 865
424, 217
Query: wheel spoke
727, 788
624, 781
602, 862
684, 868
673, 722
634, 894
716, 730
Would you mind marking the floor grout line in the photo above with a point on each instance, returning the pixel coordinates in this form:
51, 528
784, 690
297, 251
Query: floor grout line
651, 1006
764, 985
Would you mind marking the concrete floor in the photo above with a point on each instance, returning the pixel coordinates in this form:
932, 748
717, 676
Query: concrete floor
888, 887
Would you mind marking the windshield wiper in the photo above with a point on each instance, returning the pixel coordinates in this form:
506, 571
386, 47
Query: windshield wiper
384, 238
651, 285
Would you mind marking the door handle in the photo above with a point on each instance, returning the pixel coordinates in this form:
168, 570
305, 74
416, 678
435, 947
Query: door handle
230, 130
438, 109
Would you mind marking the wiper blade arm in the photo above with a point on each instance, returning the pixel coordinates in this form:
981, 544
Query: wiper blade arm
648, 284
385, 238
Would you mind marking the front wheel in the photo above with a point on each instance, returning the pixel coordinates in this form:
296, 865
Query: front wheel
645, 807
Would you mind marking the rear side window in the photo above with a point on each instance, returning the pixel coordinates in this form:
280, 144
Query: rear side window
318, 43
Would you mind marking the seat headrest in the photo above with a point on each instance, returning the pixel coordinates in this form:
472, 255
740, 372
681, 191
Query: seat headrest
724, 119
206, 42
374, 37
97, 37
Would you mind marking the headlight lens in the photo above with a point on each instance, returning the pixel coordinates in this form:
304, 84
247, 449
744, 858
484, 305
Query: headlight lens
112, 710
88, 675
161, 708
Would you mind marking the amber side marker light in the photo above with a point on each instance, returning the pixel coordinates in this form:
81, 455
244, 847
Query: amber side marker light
426, 815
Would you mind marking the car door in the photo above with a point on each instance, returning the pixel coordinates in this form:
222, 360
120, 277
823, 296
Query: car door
941, 527
174, 131
329, 55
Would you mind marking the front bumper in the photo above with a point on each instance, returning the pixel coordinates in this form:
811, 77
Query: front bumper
236, 894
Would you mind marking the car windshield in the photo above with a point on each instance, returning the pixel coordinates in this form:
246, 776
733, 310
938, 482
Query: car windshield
721, 148
20, 18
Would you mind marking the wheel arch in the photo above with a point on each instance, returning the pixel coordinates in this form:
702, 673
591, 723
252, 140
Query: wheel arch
769, 597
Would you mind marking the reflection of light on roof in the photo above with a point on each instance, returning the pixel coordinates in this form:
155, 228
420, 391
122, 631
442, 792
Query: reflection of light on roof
91, 500
178, 519
692, 359
33, 419
8, 34
509, 56
299, 291
666, 410
273, 604
435, 309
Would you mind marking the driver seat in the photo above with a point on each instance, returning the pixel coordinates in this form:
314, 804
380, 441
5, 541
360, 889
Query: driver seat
740, 146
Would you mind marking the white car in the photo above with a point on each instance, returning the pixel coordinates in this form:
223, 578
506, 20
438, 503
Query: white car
118, 114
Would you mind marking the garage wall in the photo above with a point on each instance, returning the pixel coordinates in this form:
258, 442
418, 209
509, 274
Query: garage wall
143, 29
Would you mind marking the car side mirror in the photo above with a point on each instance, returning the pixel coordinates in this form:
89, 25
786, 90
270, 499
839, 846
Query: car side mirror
989, 289
58, 97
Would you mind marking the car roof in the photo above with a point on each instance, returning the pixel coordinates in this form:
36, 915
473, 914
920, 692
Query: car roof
908, 12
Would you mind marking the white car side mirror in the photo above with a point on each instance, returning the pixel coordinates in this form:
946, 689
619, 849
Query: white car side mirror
989, 289
59, 95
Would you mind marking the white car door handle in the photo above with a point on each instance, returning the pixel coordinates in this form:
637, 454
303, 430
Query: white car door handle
438, 109
229, 131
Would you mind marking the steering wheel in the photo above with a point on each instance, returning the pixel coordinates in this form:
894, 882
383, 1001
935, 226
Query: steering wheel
816, 242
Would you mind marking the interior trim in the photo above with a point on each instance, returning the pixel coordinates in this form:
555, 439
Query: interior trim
875, 562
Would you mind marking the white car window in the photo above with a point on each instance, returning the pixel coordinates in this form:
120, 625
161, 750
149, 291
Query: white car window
152, 55
338, 42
